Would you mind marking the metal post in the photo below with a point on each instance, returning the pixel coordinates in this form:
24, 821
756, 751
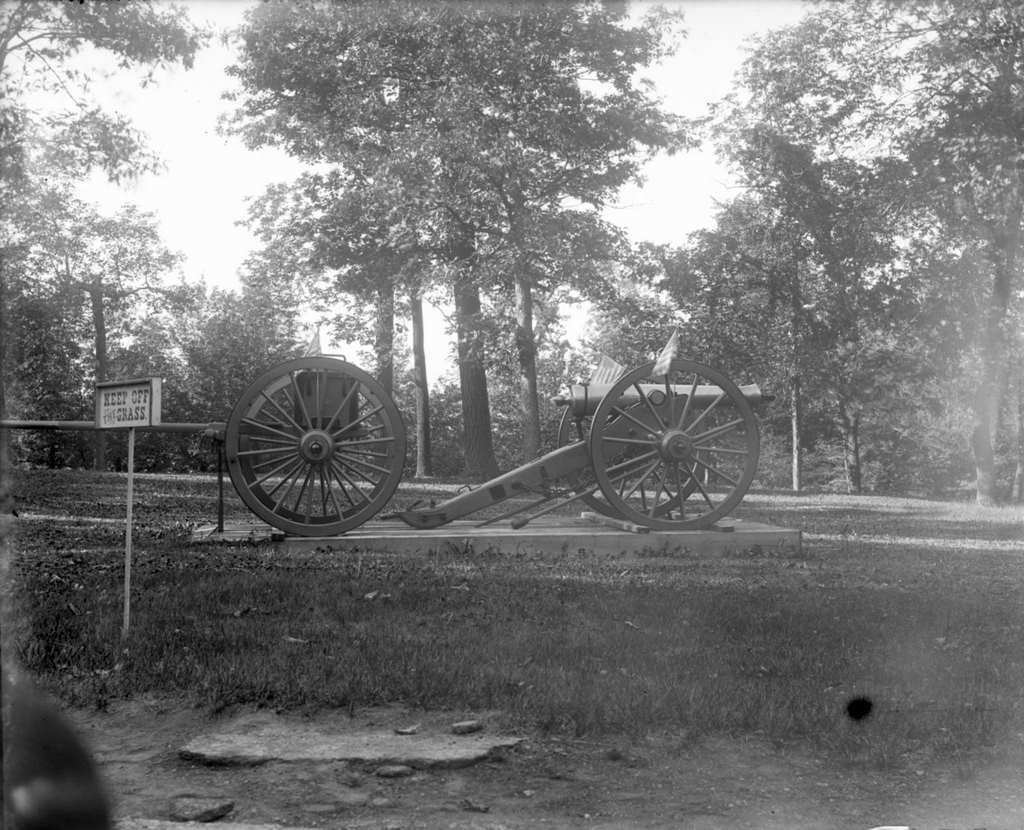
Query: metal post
128, 535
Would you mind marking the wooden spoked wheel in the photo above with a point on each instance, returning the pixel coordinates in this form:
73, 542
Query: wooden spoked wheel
674, 452
315, 446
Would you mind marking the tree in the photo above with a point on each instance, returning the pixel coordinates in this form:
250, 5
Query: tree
937, 86
50, 129
498, 119
111, 261
37, 41
226, 341
834, 219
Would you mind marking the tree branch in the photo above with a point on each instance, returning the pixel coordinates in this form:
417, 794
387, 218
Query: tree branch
55, 73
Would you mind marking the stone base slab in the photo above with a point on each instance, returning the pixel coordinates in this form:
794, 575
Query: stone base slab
550, 535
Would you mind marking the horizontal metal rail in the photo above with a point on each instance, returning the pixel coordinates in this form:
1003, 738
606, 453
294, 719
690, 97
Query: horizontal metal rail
214, 428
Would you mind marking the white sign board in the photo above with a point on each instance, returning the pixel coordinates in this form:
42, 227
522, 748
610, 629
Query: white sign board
128, 403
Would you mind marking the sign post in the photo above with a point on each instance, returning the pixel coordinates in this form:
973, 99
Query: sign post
127, 404
128, 536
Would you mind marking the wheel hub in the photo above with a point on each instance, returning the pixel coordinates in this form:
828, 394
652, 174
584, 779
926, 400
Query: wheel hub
676, 446
316, 446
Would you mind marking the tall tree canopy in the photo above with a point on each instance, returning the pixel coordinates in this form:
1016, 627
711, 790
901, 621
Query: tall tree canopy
52, 133
926, 96
476, 129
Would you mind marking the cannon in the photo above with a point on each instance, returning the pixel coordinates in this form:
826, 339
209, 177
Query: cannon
316, 447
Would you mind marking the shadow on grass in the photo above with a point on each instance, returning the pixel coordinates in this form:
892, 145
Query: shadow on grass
895, 517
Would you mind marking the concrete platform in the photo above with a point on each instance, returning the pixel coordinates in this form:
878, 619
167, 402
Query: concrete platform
546, 535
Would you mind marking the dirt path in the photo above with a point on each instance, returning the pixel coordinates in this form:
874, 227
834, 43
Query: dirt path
710, 785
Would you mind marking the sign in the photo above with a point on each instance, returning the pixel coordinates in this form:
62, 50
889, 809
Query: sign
128, 403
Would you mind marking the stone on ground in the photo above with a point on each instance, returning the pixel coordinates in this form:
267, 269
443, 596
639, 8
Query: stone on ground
251, 741
188, 807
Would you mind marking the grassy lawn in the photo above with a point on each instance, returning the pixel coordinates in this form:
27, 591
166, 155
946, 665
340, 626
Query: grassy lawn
914, 605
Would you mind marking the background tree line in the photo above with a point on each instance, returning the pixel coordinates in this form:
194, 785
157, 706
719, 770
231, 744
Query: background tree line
866, 271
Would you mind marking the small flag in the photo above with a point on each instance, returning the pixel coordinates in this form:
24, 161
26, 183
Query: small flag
664, 361
313, 347
607, 371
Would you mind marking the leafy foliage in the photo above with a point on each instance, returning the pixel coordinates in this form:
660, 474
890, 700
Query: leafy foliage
471, 145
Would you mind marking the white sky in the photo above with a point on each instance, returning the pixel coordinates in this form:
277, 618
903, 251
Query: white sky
202, 193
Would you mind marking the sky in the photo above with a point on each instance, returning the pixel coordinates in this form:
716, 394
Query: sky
201, 194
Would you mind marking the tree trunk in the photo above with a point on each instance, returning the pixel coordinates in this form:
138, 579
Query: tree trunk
795, 420
526, 347
384, 334
986, 408
99, 322
988, 399
424, 465
4, 432
796, 392
1017, 494
478, 446
850, 427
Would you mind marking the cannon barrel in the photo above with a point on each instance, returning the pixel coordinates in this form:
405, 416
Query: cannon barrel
584, 398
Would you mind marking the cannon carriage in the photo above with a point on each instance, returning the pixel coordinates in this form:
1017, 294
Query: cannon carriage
316, 447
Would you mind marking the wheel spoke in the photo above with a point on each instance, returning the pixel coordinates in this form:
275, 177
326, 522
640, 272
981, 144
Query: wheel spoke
689, 400
716, 471
281, 409
358, 421
679, 492
275, 430
614, 439
640, 480
715, 432
270, 451
267, 463
726, 450
650, 406
277, 442
302, 490
657, 493
706, 412
288, 461
339, 471
355, 471
319, 399
362, 452
618, 410
332, 473
323, 491
325, 477
341, 407
300, 399
387, 439
626, 467
352, 461
291, 478
703, 492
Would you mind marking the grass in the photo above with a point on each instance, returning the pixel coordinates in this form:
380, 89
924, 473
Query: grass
915, 605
